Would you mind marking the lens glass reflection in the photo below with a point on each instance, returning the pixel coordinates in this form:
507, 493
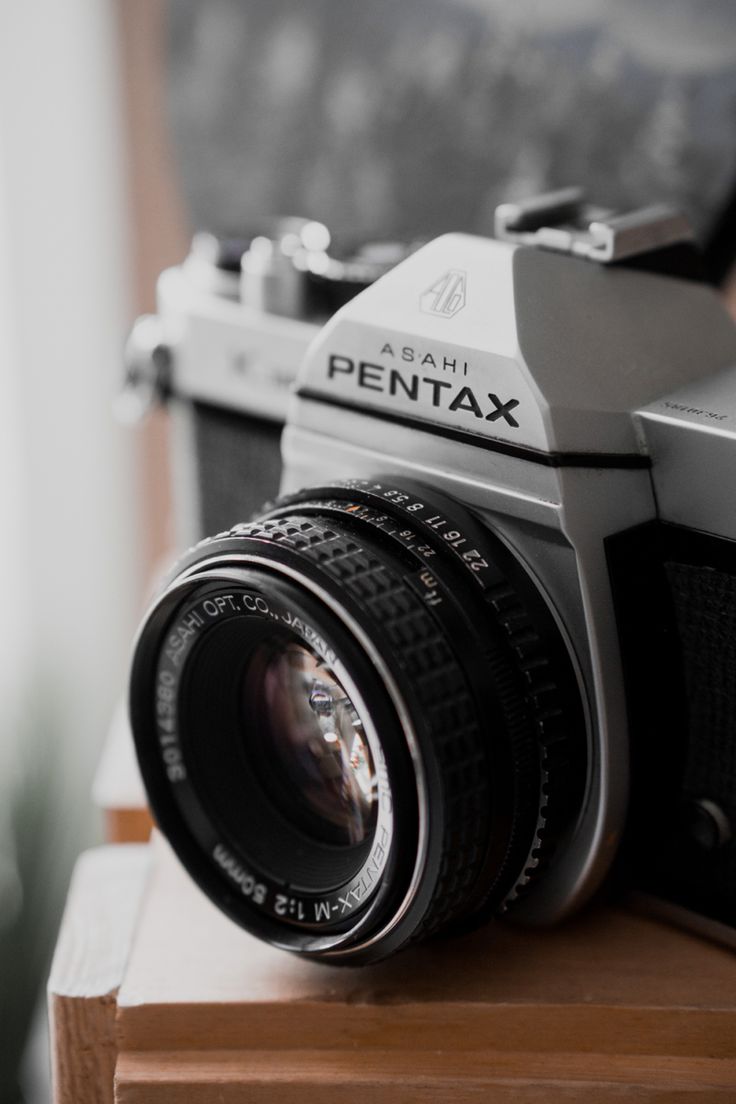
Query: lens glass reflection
313, 744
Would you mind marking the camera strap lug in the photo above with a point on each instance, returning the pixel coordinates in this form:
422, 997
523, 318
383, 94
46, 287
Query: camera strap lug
147, 363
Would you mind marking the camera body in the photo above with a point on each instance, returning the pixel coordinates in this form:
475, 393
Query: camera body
570, 388
233, 324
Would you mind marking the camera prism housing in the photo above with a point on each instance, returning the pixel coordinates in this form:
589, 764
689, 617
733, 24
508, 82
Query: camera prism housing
487, 656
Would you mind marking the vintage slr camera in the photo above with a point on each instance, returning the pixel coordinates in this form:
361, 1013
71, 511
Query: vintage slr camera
489, 654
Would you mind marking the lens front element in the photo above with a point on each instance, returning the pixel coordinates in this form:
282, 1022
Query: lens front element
314, 752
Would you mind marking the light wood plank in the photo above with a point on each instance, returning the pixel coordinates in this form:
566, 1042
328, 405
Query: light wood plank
365, 1077
607, 983
89, 961
610, 1006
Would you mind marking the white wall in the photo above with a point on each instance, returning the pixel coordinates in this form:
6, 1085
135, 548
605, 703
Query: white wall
68, 517
69, 559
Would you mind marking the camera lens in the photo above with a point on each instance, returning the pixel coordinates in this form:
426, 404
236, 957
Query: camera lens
314, 756
357, 721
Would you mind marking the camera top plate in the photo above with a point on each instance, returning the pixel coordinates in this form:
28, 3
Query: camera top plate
520, 347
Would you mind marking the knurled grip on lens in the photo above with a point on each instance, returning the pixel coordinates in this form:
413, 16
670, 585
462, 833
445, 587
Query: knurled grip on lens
431, 675
533, 677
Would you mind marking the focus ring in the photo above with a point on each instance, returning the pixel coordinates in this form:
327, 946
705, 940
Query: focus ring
531, 679
437, 682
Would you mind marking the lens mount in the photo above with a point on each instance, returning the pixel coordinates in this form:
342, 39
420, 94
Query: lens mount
357, 721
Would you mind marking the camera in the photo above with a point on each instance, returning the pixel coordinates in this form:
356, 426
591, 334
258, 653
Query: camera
487, 658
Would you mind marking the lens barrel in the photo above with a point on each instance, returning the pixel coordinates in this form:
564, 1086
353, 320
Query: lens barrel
357, 721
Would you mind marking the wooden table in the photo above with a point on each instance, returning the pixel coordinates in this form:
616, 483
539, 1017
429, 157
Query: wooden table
155, 992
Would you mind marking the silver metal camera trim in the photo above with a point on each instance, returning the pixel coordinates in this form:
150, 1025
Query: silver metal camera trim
226, 353
331, 949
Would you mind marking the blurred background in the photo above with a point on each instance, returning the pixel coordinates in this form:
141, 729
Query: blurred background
127, 124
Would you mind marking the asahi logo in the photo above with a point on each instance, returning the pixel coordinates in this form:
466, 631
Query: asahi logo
446, 296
